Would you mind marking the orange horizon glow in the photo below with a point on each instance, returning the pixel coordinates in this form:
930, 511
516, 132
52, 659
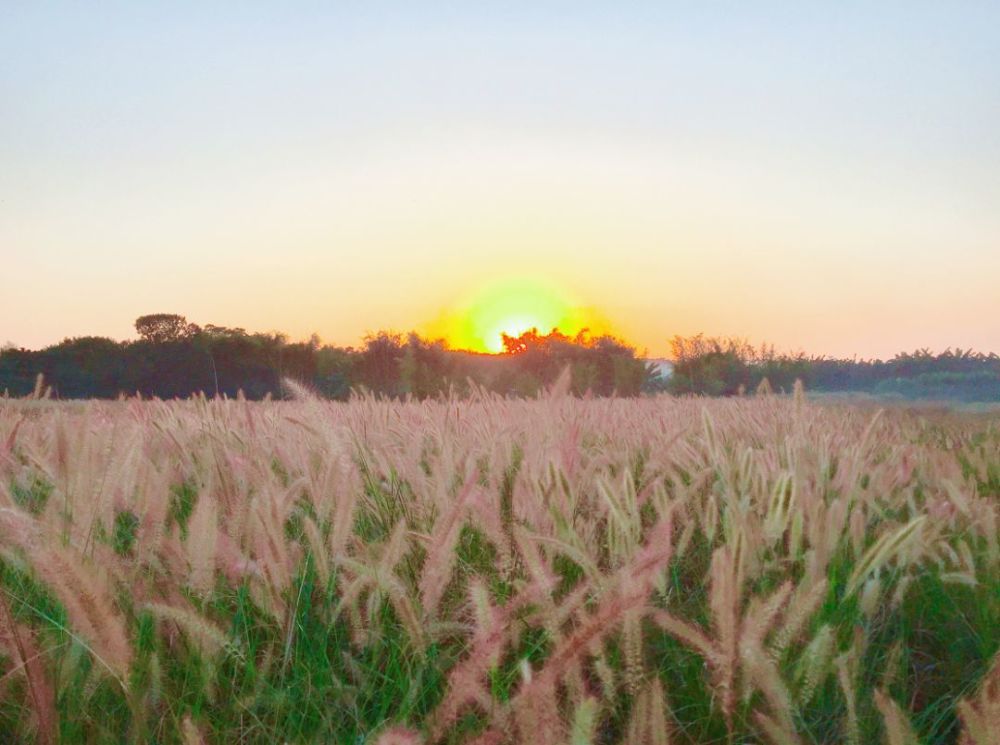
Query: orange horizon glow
478, 321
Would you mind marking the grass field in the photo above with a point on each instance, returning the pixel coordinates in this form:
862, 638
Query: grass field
645, 571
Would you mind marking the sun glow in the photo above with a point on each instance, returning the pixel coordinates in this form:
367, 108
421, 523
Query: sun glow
479, 321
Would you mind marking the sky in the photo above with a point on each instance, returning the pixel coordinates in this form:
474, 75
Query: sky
824, 177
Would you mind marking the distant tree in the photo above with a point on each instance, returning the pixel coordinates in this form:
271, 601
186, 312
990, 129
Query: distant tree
426, 368
298, 362
600, 365
175, 358
213, 331
710, 366
85, 367
18, 369
164, 327
335, 371
523, 342
379, 366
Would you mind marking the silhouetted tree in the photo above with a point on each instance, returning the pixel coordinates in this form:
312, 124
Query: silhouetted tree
602, 365
335, 370
426, 367
164, 327
89, 366
379, 363
174, 358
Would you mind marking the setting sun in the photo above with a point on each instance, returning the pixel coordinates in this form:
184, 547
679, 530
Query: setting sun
513, 306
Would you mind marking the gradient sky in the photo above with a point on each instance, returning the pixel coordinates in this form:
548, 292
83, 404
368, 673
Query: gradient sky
825, 177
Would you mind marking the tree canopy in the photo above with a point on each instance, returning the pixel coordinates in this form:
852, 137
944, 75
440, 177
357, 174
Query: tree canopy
176, 358
164, 327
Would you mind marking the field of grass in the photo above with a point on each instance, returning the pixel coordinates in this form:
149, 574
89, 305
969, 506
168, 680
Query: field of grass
643, 571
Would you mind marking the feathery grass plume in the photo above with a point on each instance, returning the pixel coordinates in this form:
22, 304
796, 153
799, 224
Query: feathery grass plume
882, 551
686, 535
870, 598
17, 528
379, 576
153, 510
235, 565
585, 720
897, 726
776, 732
275, 556
862, 445
760, 670
691, 635
724, 601
41, 390
632, 648
648, 721
490, 737
342, 518
202, 539
780, 507
534, 563
712, 444
190, 733
207, 637
494, 631
764, 388
624, 527
487, 514
891, 666
845, 664
441, 556
297, 390
317, 549
799, 395
825, 531
535, 706
7, 451
89, 605
981, 716
814, 664
605, 675
737, 642
19, 641
398, 736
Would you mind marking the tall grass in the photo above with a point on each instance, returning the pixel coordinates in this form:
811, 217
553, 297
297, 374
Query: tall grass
654, 571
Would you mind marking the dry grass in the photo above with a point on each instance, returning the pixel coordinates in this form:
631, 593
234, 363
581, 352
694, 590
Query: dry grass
497, 571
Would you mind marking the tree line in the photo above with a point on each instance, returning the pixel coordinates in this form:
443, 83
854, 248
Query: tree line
726, 366
173, 358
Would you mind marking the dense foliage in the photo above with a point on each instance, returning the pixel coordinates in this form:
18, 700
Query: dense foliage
717, 367
497, 570
176, 359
